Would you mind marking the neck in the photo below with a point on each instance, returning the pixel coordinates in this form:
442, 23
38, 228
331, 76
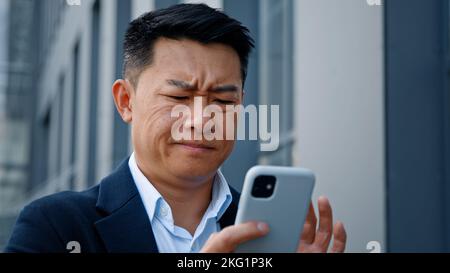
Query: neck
188, 204
188, 200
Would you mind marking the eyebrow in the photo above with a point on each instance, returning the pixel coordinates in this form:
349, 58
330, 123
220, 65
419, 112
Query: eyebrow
181, 84
188, 86
226, 88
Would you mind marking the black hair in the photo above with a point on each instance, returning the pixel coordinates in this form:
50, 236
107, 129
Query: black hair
197, 22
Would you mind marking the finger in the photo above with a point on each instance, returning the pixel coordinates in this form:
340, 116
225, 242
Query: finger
309, 228
230, 237
340, 238
323, 234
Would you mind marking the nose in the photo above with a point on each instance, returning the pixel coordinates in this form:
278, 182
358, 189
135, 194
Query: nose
197, 120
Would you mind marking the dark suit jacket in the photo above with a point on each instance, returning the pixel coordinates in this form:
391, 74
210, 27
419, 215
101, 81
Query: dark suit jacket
109, 217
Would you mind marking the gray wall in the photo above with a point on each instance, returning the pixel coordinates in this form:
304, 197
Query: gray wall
339, 111
418, 112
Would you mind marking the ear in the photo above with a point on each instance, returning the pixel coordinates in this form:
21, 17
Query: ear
122, 91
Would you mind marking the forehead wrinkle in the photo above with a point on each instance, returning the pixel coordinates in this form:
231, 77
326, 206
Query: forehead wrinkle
197, 69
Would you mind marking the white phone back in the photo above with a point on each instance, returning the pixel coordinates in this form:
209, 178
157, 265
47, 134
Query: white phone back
285, 211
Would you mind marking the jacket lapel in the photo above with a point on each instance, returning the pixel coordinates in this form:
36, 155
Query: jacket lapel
126, 227
229, 216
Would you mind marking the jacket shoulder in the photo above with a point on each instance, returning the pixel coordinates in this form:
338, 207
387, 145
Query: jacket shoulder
45, 224
67, 200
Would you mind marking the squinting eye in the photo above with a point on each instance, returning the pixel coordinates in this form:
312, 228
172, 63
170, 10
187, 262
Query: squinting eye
225, 101
179, 97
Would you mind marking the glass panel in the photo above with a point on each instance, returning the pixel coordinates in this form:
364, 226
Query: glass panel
276, 67
121, 131
95, 46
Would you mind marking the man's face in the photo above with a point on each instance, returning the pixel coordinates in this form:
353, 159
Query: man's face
180, 71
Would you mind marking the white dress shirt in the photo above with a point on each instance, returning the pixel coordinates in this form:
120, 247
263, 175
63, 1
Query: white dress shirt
169, 237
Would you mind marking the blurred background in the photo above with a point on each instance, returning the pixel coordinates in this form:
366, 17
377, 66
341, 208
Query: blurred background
363, 89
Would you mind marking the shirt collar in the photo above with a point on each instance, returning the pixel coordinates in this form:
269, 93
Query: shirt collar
149, 195
221, 195
220, 200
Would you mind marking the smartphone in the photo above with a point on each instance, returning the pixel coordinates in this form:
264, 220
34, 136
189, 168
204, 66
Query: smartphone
279, 196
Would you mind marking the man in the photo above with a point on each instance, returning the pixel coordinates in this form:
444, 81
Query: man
169, 196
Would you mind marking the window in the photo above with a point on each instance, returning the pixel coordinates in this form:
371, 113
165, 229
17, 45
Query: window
61, 92
160, 4
120, 131
95, 34
43, 148
75, 64
276, 66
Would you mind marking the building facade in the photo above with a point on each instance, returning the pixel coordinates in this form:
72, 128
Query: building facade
333, 67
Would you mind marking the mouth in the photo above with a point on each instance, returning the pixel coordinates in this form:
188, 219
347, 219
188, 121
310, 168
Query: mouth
195, 146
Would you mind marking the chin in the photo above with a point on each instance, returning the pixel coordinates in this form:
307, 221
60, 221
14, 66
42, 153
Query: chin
194, 169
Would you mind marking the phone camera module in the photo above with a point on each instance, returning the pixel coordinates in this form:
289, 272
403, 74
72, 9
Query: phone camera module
263, 186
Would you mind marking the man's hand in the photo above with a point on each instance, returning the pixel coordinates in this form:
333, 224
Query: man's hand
230, 237
315, 239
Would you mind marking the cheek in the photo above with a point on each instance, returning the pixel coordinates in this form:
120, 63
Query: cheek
153, 123
229, 136
228, 146
229, 126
